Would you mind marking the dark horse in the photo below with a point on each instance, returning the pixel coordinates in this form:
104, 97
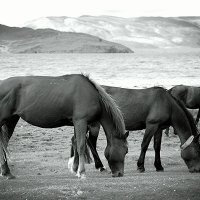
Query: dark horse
189, 95
153, 109
50, 102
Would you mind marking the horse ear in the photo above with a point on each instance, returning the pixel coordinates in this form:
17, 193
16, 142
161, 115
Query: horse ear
126, 134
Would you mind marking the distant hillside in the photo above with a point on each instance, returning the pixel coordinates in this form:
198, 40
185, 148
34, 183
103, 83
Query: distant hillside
151, 32
27, 40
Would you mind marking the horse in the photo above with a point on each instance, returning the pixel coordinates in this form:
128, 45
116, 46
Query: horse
50, 102
153, 109
189, 95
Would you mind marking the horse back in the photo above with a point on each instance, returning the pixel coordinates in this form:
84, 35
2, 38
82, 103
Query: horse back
193, 97
189, 95
141, 106
51, 101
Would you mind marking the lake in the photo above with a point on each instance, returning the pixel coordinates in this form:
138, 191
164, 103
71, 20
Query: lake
138, 70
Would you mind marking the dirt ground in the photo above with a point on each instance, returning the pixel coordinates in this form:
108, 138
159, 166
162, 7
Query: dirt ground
39, 160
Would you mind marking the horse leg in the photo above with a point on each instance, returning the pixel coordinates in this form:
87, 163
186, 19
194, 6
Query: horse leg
80, 127
151, 129
198, 116
8, 127
92, 143
73, 160
157, 147
5, 171
167, 132
72, 147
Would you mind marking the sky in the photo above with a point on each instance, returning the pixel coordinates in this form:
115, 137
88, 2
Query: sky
17, 12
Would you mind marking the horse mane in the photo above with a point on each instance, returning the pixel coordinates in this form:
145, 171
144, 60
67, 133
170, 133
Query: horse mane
159, 87
170, 90
188, 115
110, 106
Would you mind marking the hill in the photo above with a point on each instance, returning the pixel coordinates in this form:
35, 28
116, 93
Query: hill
27, 40
141, 32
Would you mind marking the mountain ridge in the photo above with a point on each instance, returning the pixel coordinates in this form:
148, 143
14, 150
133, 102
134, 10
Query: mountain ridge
135, 32
27, 40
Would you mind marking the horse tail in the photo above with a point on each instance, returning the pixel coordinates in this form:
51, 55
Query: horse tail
87, 155
111, 107
4, 138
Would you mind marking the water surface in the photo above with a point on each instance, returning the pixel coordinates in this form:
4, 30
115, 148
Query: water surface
138, 70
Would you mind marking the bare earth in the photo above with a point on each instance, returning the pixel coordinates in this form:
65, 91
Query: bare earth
39, 160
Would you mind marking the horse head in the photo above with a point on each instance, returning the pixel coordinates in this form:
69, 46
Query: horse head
190, 152
115, 154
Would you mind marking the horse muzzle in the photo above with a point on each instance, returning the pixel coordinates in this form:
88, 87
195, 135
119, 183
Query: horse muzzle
194, 170
117, 174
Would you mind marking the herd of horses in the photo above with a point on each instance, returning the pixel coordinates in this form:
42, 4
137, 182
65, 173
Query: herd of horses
76, 100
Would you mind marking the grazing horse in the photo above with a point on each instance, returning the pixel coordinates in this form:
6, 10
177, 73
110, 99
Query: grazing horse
153, 109
189, 95
49, 102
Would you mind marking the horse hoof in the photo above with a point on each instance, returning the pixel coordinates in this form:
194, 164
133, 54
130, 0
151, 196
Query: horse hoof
81, 176
102, 169
160, 170
141, 170
8, 176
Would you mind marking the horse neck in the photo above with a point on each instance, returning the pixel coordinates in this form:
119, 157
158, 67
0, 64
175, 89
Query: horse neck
181, 124
108, 127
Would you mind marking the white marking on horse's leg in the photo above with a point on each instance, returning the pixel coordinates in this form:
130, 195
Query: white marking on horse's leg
81, 168
81, 175
70, 164
80, 126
